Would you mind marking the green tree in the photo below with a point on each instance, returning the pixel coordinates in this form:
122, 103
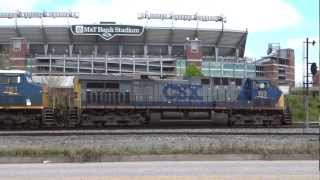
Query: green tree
193, 71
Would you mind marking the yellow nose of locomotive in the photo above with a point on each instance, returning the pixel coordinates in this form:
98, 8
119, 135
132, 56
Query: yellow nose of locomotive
45, 96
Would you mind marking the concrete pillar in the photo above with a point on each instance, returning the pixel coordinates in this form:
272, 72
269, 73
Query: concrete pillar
169, 50
237, 54
50, 64
120, 50
216, 49
64, 64
120, 66
91, 64
45, 48
145, 50
106, 64
70, 50
95, 50
134, 65
161, 68
78, 68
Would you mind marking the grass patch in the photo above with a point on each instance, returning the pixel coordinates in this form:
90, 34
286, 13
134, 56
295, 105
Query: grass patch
296, 103
95, 154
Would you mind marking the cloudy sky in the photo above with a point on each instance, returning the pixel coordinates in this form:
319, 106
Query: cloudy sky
287, 22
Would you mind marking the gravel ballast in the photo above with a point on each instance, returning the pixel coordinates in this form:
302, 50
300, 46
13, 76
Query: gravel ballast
98, 147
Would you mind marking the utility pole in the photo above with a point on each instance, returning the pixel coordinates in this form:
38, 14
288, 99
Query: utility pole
314, 72
306, 102
306, 83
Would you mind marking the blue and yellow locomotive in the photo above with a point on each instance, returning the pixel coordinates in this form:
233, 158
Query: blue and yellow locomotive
111, 100
21, 100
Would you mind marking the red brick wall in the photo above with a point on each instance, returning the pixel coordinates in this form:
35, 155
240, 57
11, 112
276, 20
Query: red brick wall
18, 57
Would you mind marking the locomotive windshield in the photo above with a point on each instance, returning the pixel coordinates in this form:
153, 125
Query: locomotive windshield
11, 79
29, 79
262, 84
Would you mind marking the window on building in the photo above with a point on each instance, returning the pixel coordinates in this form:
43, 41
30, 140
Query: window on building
239, 66
215, 73
206, 72
205, 81
251, 74
215, 65
259, 68
112, 85
259, 74
228, 73
283, 61
238, 82
17, 44
95, 85
239, 74
225, 81
228, 66
251, 67
194, 46
232, 82
217, 81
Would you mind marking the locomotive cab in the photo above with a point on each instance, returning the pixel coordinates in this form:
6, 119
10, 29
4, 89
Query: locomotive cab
21, 100
260, 92
18, 90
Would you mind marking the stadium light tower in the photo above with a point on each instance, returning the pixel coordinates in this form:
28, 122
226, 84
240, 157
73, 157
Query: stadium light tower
194, 17
183, 17
44, 14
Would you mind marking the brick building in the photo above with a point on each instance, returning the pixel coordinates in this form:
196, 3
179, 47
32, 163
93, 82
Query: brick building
278, 66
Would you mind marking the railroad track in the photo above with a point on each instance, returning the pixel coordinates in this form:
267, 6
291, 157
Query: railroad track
172, 128
217, 131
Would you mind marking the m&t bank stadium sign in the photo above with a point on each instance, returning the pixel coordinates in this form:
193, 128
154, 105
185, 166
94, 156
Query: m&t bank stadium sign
107, 31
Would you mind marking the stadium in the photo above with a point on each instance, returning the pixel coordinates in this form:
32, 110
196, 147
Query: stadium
108, 47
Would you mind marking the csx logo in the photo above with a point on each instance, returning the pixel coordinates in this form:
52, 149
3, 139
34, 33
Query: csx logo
182, 92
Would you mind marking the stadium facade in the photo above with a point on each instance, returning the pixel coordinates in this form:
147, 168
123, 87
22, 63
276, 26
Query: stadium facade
278, 65
111, 48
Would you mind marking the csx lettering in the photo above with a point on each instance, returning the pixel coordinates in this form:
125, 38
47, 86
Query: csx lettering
182, 92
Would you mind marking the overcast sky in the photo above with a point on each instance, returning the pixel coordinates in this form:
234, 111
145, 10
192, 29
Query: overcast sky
287, 22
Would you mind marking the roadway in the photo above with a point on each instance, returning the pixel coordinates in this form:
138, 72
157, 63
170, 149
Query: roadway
164, 170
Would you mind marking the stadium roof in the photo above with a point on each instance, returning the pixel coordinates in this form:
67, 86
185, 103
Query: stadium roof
152, 35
